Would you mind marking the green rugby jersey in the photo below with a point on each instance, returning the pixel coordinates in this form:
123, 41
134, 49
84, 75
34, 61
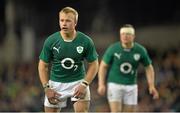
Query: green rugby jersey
67, 57
124, 63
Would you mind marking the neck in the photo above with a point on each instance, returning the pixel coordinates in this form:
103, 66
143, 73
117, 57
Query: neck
68, 36
127, 45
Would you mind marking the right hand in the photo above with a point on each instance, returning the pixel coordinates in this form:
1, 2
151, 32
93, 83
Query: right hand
53, 96
153, 91
79, 91
101, 90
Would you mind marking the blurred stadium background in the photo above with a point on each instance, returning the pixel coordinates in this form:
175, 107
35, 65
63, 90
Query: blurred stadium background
24, 25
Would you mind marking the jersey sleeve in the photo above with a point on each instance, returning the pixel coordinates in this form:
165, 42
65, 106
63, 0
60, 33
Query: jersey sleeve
91, 52
46, 54
145, 58
107, 57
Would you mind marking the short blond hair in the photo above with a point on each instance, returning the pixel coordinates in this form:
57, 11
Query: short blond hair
127, 28
70, 10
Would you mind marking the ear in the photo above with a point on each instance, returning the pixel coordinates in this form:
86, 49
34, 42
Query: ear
75, 24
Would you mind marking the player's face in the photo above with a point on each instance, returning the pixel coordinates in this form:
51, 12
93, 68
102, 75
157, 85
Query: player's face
67, 22
126, 38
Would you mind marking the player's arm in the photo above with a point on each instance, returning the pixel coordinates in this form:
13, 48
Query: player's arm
151, 81
91, 73
101, 77
43, 69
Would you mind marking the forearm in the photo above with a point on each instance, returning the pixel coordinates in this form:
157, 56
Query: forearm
150, 75
92, 71
43, 72
102, 73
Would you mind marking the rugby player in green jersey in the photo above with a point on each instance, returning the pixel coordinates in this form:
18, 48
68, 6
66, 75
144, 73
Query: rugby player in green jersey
121, 61
64, 53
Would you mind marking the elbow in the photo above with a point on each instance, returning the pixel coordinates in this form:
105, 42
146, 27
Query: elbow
42, 66
94, 66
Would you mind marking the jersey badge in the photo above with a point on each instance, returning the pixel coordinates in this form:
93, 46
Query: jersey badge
136, 56
79, 49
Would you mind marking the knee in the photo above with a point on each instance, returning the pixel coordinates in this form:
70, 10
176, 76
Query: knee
81, 107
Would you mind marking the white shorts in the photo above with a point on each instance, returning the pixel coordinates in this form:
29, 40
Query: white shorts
126, 94
65, 89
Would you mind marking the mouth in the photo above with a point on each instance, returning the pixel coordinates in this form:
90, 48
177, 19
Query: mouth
64, 28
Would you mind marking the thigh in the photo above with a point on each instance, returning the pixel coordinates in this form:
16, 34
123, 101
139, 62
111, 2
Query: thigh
114, 92
131, 95
50, 106
57, 87
87, 96
115, 106
81, 106
50, 109
129, 108
115, 96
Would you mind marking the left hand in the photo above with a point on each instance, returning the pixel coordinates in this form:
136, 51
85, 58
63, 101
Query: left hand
79, 91
53, 96
153, 91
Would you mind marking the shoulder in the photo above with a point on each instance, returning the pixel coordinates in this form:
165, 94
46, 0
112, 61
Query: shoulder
139, 47
114, 45
84, 37
53, 36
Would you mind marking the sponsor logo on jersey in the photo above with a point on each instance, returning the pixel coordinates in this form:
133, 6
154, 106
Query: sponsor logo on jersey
136, 56
117, 55
79, 49
69, 63
126, 67
57, 49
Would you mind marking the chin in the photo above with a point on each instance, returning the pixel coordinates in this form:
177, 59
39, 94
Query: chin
65, 31
125, 42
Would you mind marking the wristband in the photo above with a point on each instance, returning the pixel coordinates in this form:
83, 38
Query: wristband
46, 85
84, 83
